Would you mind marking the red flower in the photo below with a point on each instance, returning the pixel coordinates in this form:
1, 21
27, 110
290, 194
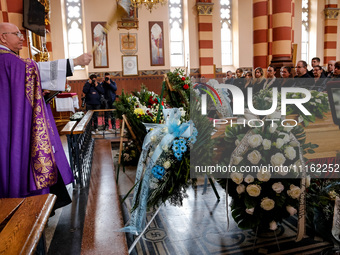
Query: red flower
183, 78
186, 86
137, 106
156, 100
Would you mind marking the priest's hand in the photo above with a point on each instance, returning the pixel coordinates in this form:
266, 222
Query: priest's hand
83, 60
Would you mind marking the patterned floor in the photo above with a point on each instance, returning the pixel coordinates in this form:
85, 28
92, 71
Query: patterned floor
200, 227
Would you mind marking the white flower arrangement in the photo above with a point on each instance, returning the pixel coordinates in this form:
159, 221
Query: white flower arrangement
264, 197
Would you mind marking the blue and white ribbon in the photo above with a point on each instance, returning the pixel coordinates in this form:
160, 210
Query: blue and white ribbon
175, 129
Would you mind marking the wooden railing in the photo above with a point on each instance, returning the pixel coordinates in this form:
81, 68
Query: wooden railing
80, 145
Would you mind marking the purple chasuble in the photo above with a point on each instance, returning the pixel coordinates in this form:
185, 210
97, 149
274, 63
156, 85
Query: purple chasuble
27, 161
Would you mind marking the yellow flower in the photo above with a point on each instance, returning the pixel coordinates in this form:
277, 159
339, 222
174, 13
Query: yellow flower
138, 111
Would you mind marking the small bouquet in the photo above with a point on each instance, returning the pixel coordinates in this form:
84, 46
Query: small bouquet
179, 80
321, 196
179, 93
130, 154
77, 116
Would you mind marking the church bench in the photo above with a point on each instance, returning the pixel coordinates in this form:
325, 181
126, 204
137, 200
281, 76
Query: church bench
22, 222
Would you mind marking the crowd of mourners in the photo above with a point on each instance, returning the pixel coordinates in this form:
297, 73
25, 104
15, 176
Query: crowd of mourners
314, 79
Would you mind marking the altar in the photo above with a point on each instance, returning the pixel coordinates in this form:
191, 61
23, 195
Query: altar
63, 107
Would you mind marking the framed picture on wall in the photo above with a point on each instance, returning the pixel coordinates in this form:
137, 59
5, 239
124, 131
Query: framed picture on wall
156, 43
128, 43
99, 43
130, 65
129, 20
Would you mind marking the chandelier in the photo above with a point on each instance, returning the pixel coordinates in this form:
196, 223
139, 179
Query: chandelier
149, 4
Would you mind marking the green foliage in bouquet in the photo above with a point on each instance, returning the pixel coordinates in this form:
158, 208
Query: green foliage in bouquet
262, 196
125, 105
181, 85
203, 149
317, 106
146, 97
263, 100
321, 194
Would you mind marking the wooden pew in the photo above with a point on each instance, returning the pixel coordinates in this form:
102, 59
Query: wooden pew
22, 222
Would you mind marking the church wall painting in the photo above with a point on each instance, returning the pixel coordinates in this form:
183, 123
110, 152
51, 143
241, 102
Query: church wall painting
156, 43
99, 43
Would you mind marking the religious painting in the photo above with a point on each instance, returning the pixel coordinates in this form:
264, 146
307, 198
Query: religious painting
156, 43
130, 65
99, 43
130, 19
132, 14
128, 43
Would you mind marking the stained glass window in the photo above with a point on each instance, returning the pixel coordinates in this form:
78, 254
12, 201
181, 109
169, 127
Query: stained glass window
176, 33
226, 32
74, 25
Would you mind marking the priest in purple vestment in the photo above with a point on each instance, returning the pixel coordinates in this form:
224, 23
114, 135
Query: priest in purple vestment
32, 160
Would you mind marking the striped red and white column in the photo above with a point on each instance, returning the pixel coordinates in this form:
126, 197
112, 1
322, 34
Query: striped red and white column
331, 31
12, 11
270, 31
293, 19
282, 30
3, 11
260, 33
205, 39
